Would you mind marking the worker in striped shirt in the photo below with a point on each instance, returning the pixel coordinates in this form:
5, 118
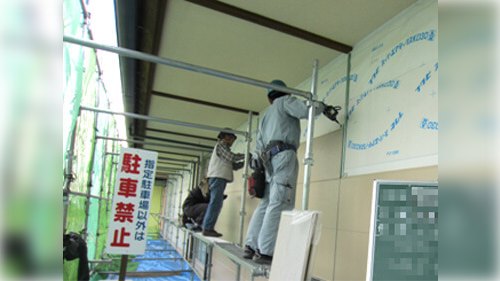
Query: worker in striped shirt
220, 172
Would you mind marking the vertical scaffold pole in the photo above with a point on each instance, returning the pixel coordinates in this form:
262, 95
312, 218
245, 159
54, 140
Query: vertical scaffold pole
245, 177
344, 128
179, 214
89, 179
245, 186
193, 175
68, 175
110, 178
103, 170
308, 158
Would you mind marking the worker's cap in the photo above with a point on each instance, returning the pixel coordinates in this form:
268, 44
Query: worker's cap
274, 94
223, 134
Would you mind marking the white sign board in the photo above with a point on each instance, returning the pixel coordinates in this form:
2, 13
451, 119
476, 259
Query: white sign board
134, 183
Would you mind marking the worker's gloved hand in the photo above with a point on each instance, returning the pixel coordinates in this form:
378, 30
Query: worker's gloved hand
320, 106
255, 162
331, 113
238, 165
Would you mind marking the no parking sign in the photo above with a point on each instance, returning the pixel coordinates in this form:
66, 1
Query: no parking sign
129, 216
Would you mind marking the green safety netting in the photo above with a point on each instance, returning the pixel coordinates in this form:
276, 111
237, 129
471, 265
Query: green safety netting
92, 168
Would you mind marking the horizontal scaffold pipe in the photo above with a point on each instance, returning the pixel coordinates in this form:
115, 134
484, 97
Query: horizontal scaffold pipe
147, 273
159, 168
87, 195
155, 119
191, 67
155, 144
169, 174
176, 160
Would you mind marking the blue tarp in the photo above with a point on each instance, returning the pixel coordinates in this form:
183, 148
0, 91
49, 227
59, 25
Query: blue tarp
160, 265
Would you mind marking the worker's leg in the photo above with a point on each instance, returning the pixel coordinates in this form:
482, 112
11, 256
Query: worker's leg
199, 211
281, 198
256, 222
217, 187
196, 211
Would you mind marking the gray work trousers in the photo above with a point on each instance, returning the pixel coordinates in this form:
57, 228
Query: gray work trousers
279, 196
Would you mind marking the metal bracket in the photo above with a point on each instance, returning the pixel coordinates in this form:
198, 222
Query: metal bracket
308, 161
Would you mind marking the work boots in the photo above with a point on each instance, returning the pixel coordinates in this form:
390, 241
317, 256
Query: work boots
210, 233
249, 252
262, 259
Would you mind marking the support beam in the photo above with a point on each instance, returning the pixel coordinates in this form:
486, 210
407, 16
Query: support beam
180, 134
202, 102
272, 24
172, 141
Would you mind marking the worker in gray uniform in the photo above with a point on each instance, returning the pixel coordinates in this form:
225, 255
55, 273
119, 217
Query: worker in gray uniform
277, 142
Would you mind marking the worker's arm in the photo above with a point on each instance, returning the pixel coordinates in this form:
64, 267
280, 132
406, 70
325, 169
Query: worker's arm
224, 152
299, 108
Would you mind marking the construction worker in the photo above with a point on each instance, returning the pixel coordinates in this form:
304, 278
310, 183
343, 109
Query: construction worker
277, 143
195, 206
220, 172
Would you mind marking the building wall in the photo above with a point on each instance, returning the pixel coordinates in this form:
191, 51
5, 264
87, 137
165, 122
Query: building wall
345, 204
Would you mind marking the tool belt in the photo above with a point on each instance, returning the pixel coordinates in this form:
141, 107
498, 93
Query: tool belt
277, 147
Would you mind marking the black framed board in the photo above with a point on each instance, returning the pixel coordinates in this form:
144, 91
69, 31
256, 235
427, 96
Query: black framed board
403, 231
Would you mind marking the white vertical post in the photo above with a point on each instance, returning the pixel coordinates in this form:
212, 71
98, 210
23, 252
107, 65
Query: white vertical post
308, 158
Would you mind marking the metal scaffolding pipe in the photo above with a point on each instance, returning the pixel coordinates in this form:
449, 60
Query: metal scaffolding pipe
346, 123
145, 274
245, 177
180, 210
308, 158
161, 120
68, 176
103, 170
86, 195
155, 144
172, 169
172, 163
113, 165
155, 59
169, 174
244, 190
178, 160
90, 184
193, 176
